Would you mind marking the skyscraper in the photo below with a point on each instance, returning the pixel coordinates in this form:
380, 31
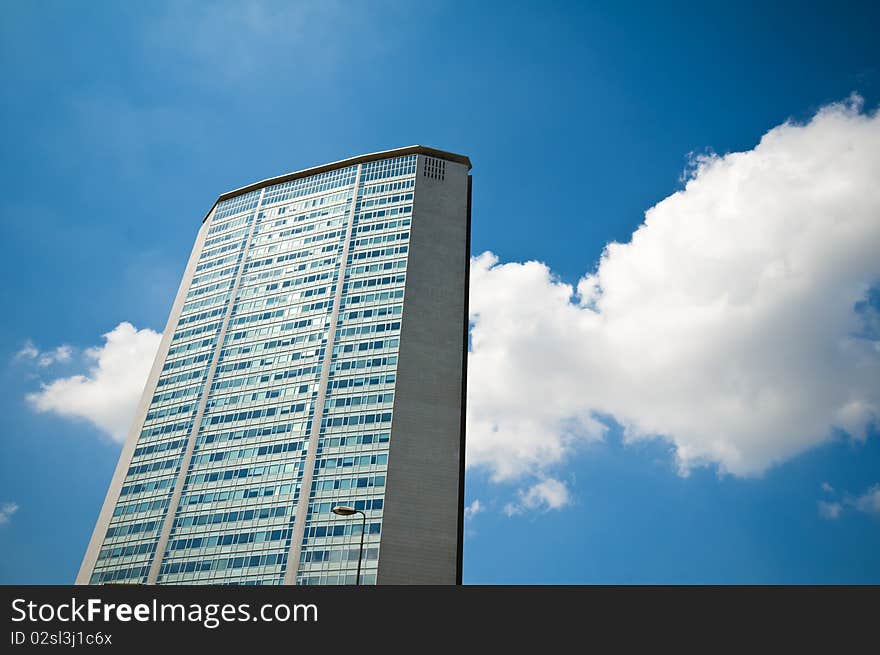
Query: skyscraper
314, 357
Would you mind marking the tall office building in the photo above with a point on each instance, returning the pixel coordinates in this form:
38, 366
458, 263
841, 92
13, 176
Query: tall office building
314, 357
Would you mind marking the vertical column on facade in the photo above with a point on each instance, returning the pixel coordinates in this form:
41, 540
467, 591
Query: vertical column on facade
315, 435
200, 410
422, 508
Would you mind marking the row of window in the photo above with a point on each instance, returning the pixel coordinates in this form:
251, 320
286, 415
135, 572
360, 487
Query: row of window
278, 328
210, 253
339, 555
165, 429
135, 573
244, 202
222, 238
176, 394
186, 408
181, 335
250, 415
242, 473
373, 312
214, 263
248, 433
243, 453
233, 516
225, 285
379, 227
210, 276
223, 564
256, 348
373, 328
272, 393
349, 483
306, 186
353, 440
279, 299
386, 187
354, 460
397, 167
339, 197
321, 261
381, 252
261, 289
293, 256
151, 467
201, 303
232, 539
384, 200
237, 494
134, 528
127, 551
281, 236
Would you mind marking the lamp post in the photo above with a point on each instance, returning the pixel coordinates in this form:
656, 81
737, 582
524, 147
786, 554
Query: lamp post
345, 510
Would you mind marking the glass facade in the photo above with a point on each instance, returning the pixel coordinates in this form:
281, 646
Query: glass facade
276, 397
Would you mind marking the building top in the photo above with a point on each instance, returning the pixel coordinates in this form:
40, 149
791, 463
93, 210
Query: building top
351, 161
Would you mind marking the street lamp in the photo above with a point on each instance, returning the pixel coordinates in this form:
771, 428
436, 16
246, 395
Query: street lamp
345, 510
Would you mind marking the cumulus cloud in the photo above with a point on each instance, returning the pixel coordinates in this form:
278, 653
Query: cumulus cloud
737, 323
473, 509
544, 495
108, 393
6, 512
60, 354
30, 352
867, 502
829, 511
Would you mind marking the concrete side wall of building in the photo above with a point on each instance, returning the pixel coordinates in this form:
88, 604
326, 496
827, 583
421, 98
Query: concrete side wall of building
421, 527
110, 500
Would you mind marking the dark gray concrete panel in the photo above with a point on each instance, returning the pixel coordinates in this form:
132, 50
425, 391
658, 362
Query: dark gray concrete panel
420, 541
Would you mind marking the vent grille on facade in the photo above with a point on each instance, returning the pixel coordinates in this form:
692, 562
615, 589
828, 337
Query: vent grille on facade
434, 168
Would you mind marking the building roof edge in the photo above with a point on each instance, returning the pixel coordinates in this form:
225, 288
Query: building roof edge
342, 163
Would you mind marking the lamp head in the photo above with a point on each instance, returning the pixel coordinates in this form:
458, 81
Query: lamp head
343, 510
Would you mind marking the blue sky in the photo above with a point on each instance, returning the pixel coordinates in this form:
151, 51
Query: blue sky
123, 121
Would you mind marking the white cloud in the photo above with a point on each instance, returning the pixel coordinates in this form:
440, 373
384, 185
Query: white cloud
6, 512
829, 511
60, 354
726, 325
869, 502
827, 488
28, 351
544, 495
108, 393
43, 359
473, 509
